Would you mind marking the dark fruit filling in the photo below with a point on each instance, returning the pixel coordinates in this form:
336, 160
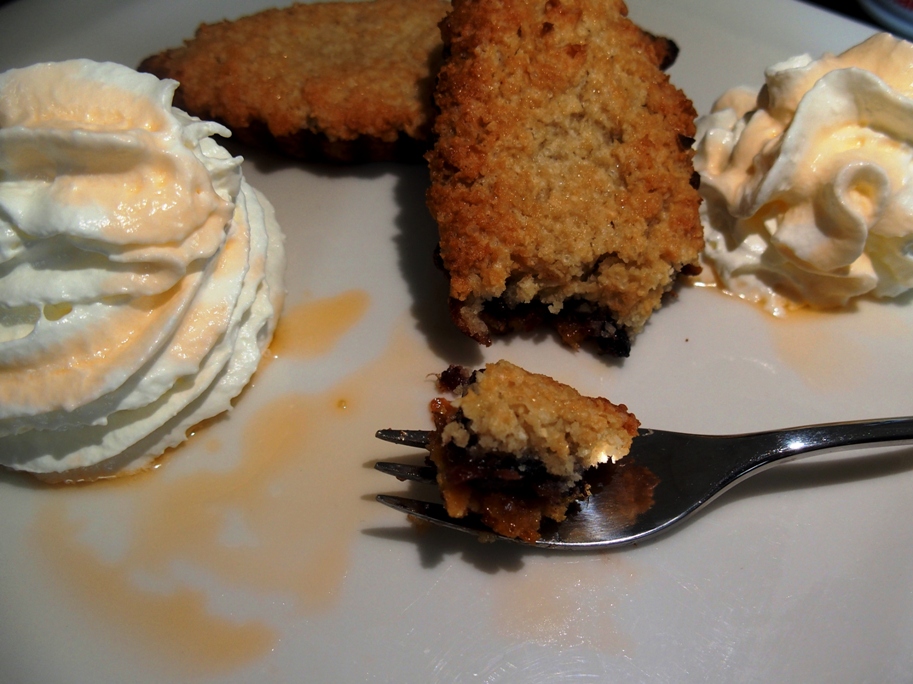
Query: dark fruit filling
511, 494
578, 321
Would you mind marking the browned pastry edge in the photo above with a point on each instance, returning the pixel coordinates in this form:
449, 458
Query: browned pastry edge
666, 50
309, 146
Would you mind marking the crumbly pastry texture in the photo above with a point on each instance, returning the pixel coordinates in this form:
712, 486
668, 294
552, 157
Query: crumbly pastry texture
337, 81
513, 446
561, 176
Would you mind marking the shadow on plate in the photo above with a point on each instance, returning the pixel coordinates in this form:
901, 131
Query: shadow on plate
416, 241
416, 244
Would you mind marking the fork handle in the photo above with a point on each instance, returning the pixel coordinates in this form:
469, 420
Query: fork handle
746, 452
777, 445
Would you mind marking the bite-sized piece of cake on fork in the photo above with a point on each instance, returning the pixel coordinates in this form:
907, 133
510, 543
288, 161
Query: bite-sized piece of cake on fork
513, 446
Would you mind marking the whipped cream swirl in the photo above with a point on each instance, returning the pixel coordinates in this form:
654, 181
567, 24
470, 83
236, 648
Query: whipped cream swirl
808, 184
140, 275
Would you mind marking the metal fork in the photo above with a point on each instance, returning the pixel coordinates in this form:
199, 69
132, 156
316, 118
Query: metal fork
666, 477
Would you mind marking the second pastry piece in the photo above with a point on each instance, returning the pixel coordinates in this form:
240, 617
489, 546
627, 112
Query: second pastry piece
562, 180
338, 81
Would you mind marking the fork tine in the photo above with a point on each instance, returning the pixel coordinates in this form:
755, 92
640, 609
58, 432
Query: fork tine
435, 513
405, 471
414, 438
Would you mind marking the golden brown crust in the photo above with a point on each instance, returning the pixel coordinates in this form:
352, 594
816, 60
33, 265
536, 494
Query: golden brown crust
562, 167
514, 411
346, 81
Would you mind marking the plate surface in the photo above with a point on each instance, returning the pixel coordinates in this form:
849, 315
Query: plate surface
255, 552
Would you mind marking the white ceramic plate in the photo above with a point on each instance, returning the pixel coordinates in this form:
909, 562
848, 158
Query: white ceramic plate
255, 553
